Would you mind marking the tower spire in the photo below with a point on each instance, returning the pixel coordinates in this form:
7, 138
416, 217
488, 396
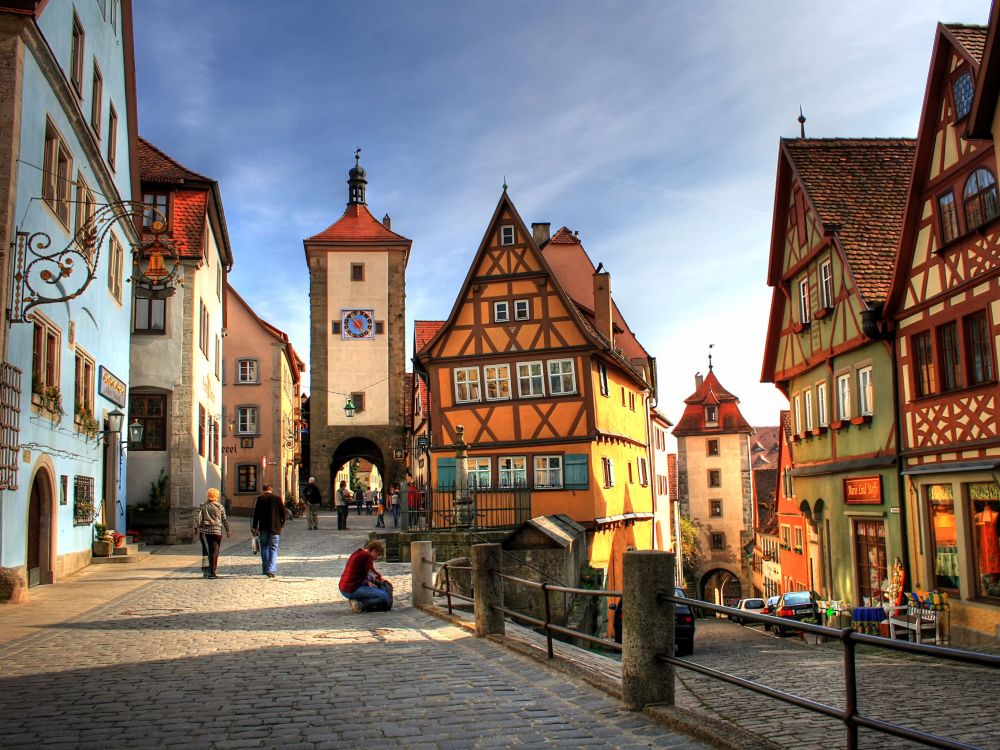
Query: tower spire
802, 123
356, 181
710, 357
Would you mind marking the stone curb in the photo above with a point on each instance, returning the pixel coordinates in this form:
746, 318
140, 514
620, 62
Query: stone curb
717, 732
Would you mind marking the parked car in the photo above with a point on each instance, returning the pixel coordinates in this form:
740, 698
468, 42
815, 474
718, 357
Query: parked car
798, 606
683, 625
754, 606
769, 608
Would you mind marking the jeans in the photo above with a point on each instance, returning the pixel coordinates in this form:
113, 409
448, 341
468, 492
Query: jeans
341, 518
395, 516
380, 521
269, 551
368, 597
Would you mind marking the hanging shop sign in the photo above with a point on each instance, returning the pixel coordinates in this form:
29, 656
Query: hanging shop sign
863, 490
112, 387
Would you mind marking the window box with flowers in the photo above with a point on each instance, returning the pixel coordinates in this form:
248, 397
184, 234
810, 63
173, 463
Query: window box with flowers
48, 398
797, 549
85, 422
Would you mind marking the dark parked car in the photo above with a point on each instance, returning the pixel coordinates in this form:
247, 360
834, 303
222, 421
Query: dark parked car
797, 605
683, 625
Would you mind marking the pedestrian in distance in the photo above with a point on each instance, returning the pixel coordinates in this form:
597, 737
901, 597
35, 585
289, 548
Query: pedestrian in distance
269, 518
380, 520
362, 584
209, 521
369, 500
314, 500
359, 499
342, 500
394, 505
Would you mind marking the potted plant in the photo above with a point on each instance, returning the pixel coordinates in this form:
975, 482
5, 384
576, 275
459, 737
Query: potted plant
52, 400
101, 546
85, 421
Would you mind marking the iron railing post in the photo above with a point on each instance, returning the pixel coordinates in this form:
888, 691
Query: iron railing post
548, 619
850, 689
447, 587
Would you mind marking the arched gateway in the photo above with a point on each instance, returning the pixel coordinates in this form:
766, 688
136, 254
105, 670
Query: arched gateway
357, 286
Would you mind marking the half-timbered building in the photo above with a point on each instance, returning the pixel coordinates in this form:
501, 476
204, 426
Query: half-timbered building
837, 215
419, 430
945, 301
553, 390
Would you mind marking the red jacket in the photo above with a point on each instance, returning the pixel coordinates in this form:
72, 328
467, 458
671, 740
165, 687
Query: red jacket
359, 564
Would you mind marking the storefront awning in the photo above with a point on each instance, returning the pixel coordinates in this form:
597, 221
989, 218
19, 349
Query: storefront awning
946, 468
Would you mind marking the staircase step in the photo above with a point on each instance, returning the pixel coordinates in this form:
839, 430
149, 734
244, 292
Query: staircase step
119, 559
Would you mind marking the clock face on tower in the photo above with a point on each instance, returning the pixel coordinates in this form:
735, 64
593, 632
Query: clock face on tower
358, 324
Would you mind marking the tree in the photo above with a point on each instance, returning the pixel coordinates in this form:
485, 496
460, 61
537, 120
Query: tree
690, 545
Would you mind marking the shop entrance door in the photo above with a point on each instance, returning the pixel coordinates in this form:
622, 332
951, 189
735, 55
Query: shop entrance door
870, 567
39, 533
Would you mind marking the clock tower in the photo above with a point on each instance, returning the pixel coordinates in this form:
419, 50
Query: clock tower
357, 290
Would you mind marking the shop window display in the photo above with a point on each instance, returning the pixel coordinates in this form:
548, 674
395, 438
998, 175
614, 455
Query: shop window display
944, 530
984, 499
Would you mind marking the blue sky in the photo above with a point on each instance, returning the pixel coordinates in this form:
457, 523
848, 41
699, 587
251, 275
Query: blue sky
650, 127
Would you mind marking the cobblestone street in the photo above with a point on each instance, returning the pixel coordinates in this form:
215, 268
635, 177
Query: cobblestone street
942, 698
245, 661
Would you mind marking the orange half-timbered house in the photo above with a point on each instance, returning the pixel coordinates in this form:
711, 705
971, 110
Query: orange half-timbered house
537, 365
837, 216
945, 301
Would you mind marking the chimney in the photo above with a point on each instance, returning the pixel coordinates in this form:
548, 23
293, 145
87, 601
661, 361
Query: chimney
602, 304
387, 222
698, 380
540, 232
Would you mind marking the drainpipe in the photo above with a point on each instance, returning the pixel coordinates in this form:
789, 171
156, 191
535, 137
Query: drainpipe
886, 333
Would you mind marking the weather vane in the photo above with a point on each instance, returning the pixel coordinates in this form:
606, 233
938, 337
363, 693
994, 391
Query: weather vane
357, 155
710, 357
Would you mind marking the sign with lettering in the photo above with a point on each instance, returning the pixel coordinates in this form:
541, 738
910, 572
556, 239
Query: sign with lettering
111, 387
863, 490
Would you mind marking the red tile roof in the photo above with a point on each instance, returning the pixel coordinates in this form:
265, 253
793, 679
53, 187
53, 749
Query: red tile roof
730, 419
859, 189
357, 225
574, 270
424, 331
187, 222
973, 38
156, 166
786, 429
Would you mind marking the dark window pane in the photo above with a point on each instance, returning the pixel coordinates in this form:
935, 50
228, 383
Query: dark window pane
951, 365
963, 90
949, 217
924, 364
977, 344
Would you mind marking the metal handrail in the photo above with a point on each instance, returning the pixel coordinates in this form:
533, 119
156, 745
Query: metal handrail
849, 714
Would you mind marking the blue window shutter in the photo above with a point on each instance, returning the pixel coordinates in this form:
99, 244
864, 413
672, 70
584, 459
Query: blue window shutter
445, 473
577, 475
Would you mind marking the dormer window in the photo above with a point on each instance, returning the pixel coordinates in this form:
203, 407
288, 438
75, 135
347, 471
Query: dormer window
963, 89
980, 198
155, 209
711, 416
507, 235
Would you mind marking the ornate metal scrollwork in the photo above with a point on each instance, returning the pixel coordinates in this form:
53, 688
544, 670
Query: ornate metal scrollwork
43, 277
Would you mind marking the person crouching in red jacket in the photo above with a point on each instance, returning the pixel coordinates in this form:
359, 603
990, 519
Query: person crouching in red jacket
361, 583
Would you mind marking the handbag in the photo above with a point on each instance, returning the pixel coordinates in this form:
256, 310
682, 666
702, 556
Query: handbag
254, 545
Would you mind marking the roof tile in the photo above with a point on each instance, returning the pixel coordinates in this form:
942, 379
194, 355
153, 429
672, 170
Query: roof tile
973, 38
156, 166
357, 225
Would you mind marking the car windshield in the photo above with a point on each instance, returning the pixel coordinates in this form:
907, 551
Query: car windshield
679, 592
798, 597
753, 603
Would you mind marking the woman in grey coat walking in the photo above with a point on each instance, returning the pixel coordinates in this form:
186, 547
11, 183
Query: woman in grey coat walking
210, 520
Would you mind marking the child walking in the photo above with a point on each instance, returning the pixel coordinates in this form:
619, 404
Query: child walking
380, 521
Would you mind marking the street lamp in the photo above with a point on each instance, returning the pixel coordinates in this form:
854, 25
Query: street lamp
115, 419
350, 408
135, 432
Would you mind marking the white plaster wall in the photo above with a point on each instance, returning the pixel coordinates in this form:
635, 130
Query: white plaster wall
360, 365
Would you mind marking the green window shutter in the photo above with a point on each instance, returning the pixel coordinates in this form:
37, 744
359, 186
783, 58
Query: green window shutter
576, 473
445, 473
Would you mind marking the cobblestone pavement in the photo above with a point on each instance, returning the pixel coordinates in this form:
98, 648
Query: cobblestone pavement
948, 699
246, 661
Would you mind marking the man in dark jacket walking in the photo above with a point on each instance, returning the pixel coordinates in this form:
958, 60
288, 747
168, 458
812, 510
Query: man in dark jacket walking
268, 520
313, 502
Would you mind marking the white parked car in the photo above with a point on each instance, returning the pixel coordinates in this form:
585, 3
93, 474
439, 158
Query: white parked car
756, 606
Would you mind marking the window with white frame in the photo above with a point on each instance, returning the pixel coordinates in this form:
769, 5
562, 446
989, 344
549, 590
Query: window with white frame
711, 416
843, 397
479, 472
246, 420
562, 377
807, 404
608, 469
530, 379
866, 392
507, 234
826, 283
797, 413
501, 312
804, 301
246, 370
497, 379
522, 309
821, 404
512, 471
602, 376
548, 472
467, 384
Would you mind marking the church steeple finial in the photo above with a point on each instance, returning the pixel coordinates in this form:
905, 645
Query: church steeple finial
356, 181
802, 123
710, 357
